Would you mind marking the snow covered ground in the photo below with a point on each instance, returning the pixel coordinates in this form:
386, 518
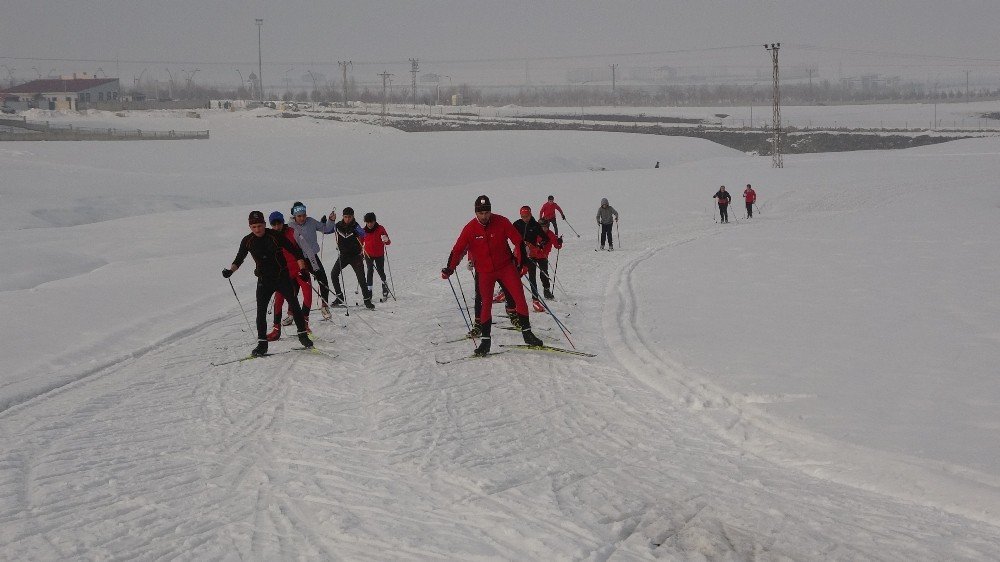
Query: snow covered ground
818, 382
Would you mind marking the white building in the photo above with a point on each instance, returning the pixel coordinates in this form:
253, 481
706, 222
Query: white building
66, 92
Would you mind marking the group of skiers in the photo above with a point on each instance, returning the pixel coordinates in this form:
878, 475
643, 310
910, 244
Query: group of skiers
724, 198
287, 258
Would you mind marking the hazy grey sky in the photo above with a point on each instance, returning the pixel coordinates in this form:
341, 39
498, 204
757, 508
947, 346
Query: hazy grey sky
218, 36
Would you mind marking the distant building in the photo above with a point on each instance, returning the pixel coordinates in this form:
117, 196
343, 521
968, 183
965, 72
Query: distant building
66, 92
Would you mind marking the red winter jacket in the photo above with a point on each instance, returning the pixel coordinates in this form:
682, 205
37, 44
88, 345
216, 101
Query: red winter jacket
548, 210
293, 264
487, 245
374, 247
536, 253
750, 195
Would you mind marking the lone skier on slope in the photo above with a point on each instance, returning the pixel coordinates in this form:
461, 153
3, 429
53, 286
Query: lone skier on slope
485, 238
299, 276
724, 198
272, 275
606, 217
750, 196
548, 211
349, 237
305, 228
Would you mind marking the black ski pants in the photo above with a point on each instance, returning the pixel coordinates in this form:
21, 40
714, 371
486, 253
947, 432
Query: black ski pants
543, 272
319, 273
723, 213
265, 289
356, 263
606, 235
749, 210
377, 263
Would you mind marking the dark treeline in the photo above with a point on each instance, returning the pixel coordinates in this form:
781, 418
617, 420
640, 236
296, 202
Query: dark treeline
822, 92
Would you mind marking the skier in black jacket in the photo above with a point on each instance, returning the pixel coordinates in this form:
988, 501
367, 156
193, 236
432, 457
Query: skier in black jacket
531, 235
724, 198
265, 246
349, 237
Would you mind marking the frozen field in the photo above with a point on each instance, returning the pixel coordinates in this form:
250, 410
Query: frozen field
819, 382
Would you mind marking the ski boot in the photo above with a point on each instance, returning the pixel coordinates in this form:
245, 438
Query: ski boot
339, 301
537, 305
368, 304
476, 331
304, 340
529, 337
548, 294
274, 334
260, 350
484, 343
385, 292
287, 320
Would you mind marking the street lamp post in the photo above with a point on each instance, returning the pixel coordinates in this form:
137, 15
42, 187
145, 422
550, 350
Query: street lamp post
260, 66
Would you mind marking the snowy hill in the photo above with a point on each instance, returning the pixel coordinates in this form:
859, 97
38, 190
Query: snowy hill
814, 383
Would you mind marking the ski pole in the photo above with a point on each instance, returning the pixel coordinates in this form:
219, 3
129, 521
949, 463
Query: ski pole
618, 235
464, 300
541, 300
555, 270
464, 318
565, 331
571, 227
245, 317
388, 268
600, 233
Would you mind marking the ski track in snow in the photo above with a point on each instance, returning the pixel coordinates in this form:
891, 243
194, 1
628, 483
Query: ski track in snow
381, 453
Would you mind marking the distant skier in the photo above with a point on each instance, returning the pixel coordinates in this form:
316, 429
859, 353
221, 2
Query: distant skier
265, 247
305, 228
300, 276
724, 198
349, 237
485, 239
548, 211
375, 241
531, 235
750, 196
540, 255
606, 217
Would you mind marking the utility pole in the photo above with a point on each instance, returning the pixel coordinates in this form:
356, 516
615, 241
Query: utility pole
776, 161
260, 65
966, 86
414, 68
385, 82
614, 97
343, 67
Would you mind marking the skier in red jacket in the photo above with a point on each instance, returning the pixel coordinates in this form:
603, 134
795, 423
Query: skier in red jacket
375, 240
277, 221
750, 196
548, 212
485, 239
540, 255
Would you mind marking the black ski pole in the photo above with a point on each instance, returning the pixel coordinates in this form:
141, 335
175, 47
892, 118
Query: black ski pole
245, 317
460, 311
618, 235
555, 271
571, 227
388, 268
562, 327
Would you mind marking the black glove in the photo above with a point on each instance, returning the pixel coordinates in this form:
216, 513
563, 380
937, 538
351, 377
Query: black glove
323, 219
227, 273
304, 275
446, 272
559, 239
256, 272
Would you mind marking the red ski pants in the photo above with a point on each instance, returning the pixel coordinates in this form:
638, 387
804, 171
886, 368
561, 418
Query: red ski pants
305, 287
508, 279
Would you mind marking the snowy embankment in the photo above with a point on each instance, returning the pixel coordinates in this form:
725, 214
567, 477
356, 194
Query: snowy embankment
816, 383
